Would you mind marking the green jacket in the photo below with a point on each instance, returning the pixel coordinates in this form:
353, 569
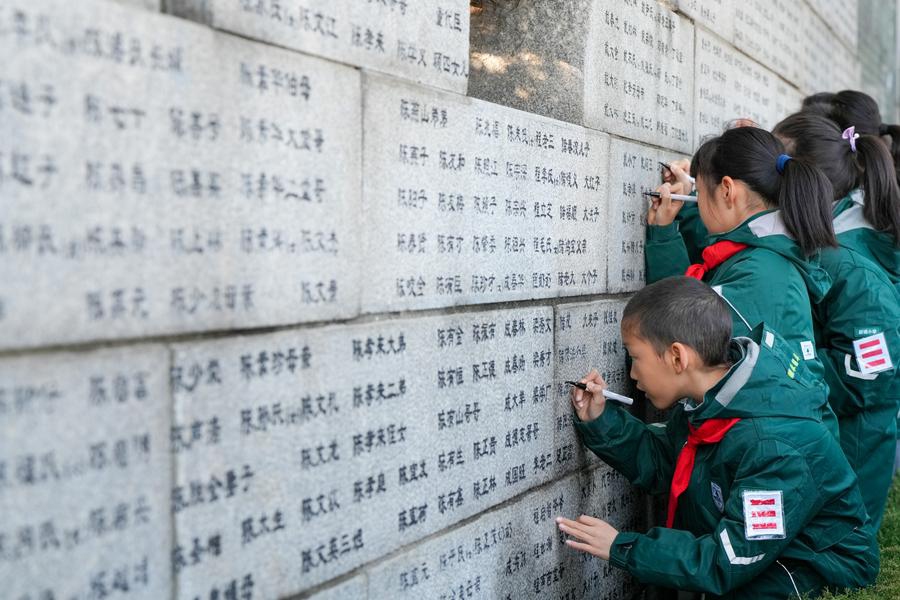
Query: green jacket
780, 448
862, 303
771, 281
693, 231
855, 232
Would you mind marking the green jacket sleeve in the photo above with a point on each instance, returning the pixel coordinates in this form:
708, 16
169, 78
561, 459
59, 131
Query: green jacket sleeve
644, 453
665, 253
731, 556
692, 229
860, 303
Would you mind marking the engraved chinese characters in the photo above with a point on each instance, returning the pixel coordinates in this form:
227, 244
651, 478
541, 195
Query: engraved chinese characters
337, 298
517, 552
423, 40
729, 86
467, 202
638, 73
159, 178
85, 475
587, 337
302, 455
633, 170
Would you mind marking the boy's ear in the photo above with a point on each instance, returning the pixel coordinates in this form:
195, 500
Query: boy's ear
679, 357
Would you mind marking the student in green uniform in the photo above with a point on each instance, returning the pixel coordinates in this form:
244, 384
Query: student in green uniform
762, 501
767, 215
866, 223
858, 322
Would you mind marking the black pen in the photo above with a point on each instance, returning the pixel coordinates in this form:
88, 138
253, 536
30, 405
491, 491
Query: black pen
679, 197
606, 393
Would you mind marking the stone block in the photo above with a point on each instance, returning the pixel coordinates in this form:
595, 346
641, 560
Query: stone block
728, 86
147, 4
426, 41
587, 337
84, 475
600, 63
638, 73
162, 178
715, 15
468, 202
878, 56
633, 169
828, 65
517, 551
352, 589
771, 32
304, 454
530, 55
787, 101
794, 41
842, 17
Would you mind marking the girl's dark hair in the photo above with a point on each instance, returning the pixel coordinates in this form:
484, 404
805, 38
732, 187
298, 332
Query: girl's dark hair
820, 141
820, 104
802, 192
850, 107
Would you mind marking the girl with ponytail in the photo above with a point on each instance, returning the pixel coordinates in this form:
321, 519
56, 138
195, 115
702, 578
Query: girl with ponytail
850, 108
867, 212
767, 215
858, 322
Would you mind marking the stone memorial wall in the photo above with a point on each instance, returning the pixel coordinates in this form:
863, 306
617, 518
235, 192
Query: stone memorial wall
290, 289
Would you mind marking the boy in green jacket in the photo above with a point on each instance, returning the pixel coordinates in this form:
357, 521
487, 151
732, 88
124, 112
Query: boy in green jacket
762, 501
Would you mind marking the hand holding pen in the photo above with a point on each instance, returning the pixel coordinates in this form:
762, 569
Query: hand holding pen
664, 205
590, 401
606, 393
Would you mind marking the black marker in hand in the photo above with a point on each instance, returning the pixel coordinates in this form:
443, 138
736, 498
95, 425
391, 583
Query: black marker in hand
606, 393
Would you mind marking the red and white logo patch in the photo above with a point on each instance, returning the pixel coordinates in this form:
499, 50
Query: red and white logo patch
872, 354
763, 515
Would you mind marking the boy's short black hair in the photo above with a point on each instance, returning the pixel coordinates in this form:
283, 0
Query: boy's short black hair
681, 309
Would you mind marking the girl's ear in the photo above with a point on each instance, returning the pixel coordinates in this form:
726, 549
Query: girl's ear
729, 190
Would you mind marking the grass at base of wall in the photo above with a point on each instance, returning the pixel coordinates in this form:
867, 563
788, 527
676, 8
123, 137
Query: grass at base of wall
888, 585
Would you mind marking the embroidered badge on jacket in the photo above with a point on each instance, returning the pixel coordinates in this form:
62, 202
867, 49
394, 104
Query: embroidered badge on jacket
763, 515
717, 496
872, 354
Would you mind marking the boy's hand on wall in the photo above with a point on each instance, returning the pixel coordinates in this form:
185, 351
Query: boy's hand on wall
591, 535
589, 404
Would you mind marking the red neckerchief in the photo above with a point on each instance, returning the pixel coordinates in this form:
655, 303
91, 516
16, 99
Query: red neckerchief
710, 432
713, 256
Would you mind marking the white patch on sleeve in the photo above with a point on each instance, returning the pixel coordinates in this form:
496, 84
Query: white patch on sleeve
848, 366
809, 350
770, 339
732, 557
763, 515
872, 354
